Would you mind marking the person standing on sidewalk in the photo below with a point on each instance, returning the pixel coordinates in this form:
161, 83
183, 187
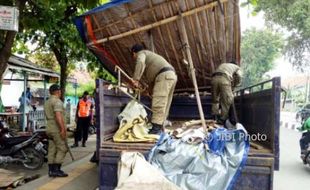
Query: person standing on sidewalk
83, 118
56, 132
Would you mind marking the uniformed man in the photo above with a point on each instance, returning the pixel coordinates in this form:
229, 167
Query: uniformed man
159, 74
56, 132
224, 79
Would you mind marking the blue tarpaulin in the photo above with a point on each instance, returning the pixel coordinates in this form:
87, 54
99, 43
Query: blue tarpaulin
193, 167
78, 21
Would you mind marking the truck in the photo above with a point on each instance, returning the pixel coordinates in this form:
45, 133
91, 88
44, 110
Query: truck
204, 32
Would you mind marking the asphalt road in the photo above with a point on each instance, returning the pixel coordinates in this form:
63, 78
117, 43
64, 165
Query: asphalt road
293, 173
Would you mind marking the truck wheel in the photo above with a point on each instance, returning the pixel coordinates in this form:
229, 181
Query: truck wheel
91, 130
33, 159
307, 158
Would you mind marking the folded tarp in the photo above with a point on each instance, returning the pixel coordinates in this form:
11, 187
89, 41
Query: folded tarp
133, 125
194, 167
134, 172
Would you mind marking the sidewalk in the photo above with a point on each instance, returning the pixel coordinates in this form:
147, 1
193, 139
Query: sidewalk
83, 175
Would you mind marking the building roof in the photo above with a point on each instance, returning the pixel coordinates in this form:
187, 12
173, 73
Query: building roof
21, 64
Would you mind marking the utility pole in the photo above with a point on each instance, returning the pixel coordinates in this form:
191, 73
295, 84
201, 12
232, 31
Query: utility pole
307, 88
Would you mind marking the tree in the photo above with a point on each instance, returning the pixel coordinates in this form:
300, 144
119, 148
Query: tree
259, 48
7, 37
48, 24
294, 15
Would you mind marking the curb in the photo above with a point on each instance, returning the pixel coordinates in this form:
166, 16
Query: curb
290, 125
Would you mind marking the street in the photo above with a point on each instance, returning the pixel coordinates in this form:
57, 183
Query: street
293, 174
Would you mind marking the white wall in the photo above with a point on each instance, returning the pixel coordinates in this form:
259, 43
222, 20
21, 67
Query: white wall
11, 93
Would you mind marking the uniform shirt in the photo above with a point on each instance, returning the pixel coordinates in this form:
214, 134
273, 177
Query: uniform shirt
306, 125
52, 105
232, 71
149, 64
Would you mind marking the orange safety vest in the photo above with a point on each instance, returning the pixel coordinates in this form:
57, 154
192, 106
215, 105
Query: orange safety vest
84, 108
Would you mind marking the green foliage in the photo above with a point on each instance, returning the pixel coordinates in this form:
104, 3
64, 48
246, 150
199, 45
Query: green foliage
48, 25
44, 59
294, 15
70, 91
259, 48
97, 71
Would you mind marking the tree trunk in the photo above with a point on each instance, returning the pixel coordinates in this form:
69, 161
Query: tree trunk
63, 78
6, 50
63, 62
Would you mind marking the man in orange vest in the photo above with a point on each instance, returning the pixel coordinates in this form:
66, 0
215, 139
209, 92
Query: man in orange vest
83, 118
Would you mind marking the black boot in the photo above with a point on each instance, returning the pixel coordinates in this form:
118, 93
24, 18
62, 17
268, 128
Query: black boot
76, 144
83, 144
156, 129
51, 170
59, 172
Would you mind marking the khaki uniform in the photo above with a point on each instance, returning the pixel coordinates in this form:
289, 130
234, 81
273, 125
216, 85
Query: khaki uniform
151, 66
226, 76
57, 148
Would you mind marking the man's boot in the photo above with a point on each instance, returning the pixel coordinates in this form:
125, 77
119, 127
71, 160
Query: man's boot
83, 144
156, 129
59, 172
51, 170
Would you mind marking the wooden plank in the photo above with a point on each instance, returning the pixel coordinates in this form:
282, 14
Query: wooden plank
192, 70
7, 178
157, 24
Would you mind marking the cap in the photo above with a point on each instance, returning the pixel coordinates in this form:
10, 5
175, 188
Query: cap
136, 48
54, 87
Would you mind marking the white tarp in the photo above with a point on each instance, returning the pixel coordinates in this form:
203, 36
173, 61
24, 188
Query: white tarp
134, 172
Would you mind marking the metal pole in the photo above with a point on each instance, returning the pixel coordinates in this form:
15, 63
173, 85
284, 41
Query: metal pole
192, 71
307, 88
44, 83
75, 94
24, 102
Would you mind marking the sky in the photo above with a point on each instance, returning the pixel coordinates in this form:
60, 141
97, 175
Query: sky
283, 68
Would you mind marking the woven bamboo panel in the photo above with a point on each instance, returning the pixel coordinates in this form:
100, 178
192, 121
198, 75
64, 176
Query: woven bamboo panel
212, 27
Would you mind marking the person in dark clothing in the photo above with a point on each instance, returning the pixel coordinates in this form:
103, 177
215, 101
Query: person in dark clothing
83, 118
305, 138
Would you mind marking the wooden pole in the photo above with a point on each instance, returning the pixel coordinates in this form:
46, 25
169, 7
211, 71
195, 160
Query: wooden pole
192, 71
156, 24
